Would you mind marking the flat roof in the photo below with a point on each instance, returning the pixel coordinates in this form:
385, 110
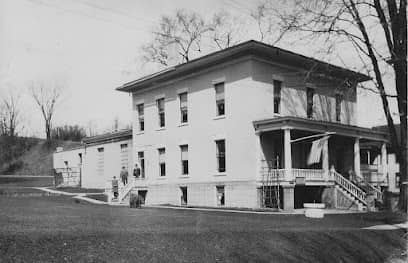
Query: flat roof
250, 47
109, 137
298, 123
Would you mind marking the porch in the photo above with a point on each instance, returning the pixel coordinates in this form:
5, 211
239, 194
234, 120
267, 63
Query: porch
284, 145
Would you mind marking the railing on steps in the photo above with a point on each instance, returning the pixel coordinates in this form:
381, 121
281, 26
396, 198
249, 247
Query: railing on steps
377, 192
124, 191
351, 188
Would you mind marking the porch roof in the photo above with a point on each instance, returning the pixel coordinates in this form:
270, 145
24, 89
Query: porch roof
303, 124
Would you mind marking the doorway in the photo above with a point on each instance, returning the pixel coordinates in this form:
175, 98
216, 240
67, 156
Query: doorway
183, 195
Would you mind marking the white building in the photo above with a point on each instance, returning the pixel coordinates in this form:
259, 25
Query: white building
219, 130
228, 129
94, 164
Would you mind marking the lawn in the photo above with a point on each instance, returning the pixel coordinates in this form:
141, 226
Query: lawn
26, 181
57, 229
79, 190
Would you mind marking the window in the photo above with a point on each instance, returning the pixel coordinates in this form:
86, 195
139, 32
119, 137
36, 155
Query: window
160, 109
140, 156
220, 195
309, 95
183, 195
183, 107
162, 162
338, 106
140, 112
220, 155
397, 180
220, 98
184, 159
277, 85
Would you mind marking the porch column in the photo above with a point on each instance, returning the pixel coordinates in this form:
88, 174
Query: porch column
288, 197
258, 155
384, 166
357, 169
325, 159
288, 154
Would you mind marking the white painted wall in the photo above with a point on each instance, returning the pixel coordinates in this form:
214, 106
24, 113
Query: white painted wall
248, 97
70, 156
91, 178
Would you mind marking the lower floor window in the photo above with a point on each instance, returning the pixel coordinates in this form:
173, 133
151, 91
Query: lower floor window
220, 196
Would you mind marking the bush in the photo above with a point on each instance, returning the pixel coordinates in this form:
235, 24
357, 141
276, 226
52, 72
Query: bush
135, 201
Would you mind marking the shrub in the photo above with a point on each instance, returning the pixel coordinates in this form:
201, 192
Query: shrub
135, 201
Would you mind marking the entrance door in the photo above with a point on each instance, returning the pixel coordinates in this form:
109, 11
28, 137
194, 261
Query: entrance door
220, 195
183, 195
142, 193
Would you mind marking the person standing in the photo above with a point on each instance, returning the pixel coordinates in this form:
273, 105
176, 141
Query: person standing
136, 171
124, 175
115, 187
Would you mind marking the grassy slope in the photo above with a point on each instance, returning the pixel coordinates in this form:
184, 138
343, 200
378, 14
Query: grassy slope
38, 159
56, 229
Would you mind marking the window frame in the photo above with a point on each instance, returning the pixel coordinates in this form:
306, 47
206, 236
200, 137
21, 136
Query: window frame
310, 92
277, 96
162, 163
220, 155
339, 100
183, 109
140, 107
184, 161
141, 160
219, 101
161, 112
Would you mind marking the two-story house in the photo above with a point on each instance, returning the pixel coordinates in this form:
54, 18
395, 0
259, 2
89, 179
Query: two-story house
234, 128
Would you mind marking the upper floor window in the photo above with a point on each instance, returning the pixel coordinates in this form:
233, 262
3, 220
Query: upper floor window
184, 159
339, 98
162, 161
220, 144
140, 112
309, 100
220, 98
160, 109
183, 107
277, 85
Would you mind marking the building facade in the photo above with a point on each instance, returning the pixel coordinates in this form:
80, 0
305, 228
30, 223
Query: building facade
94, 164
231, 129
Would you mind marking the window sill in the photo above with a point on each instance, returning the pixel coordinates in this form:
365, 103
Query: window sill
161, 129
161, 178
183, 124
184, 176
140, 133
220, 174
219, 117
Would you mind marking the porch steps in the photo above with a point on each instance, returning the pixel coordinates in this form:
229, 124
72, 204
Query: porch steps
350, 190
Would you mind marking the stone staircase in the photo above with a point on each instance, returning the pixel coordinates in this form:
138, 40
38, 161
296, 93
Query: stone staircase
348, 190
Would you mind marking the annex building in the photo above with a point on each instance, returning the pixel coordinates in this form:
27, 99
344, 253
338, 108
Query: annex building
235, 128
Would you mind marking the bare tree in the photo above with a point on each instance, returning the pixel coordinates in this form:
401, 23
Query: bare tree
10, 117
226, 30
183, 32
46, 97
356, 24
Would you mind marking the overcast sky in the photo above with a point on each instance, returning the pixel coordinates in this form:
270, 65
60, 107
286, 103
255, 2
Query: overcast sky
93, 47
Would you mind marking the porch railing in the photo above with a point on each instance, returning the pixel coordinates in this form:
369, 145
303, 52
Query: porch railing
308, 174
281, 174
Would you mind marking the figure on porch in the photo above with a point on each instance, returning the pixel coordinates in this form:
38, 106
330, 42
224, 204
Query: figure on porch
124, 175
